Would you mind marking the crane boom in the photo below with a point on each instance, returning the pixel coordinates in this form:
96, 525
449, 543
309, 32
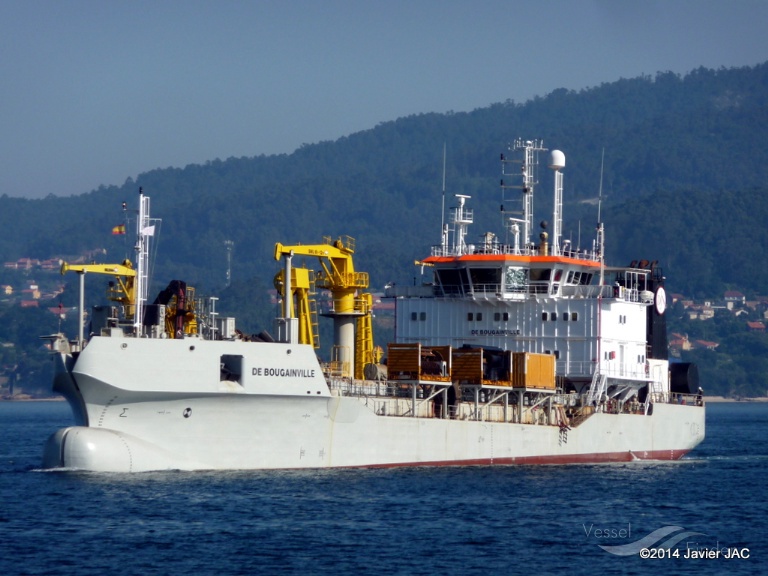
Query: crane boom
124, 291
124, 269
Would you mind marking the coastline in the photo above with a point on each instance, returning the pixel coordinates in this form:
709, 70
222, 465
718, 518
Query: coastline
720, 399
27, 398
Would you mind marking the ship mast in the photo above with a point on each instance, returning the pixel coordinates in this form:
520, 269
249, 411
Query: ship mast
143, 232
600, 229
527, 176
443, 225
462, 218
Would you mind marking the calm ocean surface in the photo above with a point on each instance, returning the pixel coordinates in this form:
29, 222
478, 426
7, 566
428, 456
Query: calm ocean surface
455, 521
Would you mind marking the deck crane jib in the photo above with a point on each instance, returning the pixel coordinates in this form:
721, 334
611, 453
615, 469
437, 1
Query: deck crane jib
121, 290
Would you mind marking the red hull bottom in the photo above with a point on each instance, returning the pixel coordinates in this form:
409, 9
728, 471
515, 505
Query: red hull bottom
594, 458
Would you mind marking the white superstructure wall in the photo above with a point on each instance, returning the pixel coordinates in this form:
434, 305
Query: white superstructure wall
580, 334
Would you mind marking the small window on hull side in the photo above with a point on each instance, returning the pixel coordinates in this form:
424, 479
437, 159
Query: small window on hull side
231, 368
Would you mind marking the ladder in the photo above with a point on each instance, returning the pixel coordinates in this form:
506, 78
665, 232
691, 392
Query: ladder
597, 388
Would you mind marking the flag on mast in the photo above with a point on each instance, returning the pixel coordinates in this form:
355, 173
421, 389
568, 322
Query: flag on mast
119, 229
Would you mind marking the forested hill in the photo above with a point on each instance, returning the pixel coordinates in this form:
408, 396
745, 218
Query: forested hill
684, 182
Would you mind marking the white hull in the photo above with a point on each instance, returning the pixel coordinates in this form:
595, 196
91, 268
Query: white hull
151, 417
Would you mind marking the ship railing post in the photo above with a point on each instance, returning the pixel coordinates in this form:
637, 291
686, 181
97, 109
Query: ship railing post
506, 405
291, 323
287, 298
81, 310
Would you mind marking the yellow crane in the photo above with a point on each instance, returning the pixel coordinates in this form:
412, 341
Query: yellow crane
122, 290
178, 298
302, 286
351, 308
180, 309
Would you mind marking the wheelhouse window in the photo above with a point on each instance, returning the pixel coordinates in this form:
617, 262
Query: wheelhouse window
540, 280
452, 281
485, 279
541, 274
515, 278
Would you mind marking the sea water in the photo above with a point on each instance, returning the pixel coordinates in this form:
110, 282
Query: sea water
574, 519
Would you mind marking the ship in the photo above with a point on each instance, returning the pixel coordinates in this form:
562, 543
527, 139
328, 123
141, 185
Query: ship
509, 350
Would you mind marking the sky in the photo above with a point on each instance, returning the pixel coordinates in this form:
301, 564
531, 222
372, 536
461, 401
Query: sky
98, 91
